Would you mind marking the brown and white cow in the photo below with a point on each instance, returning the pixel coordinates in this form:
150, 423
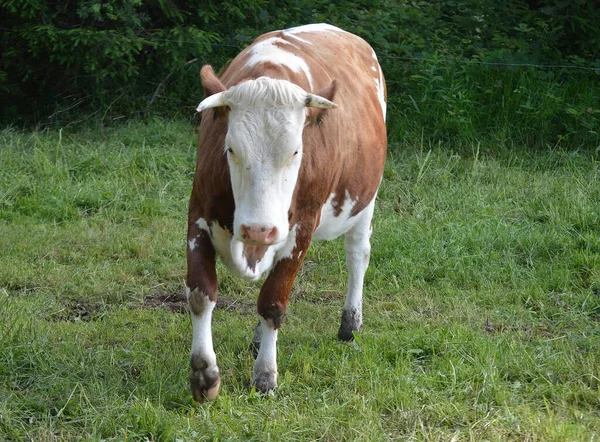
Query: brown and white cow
275, 170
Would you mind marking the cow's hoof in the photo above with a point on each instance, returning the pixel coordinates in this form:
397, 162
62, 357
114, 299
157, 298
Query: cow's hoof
351, 321
345, 335
202, 393
204, 381
265, 382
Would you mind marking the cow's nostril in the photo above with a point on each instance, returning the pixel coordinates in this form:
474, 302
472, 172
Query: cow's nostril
245, 231
258, 234
271, 235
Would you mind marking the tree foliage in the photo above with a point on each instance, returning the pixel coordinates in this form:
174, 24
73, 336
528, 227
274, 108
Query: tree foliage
115, 57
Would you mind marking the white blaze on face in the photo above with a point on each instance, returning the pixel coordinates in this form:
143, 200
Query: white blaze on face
264, 151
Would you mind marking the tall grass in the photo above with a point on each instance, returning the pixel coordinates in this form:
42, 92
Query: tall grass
462, 103
482, 299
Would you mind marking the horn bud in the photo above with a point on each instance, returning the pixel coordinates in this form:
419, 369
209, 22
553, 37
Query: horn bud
216, 100
313, 100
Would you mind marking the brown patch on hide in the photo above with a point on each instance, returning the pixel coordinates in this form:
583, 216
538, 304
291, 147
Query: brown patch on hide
201, 261
338, 203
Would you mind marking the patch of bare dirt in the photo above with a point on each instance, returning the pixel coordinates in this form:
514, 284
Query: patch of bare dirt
177, 303
79, 311
538, 330
174, 302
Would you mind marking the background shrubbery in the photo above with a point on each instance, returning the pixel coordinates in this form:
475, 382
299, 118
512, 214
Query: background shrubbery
450, 65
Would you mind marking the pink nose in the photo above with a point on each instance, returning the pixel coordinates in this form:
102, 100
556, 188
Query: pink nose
259, 234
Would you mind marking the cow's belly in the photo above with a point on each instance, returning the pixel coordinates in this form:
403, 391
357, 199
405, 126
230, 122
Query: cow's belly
332, 226
249, 262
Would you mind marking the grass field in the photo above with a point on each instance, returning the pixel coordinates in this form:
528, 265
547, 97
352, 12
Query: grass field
482, 300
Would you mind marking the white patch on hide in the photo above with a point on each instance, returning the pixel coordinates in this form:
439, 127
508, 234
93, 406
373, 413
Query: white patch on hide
202, 343
192, 244
202, 225
287, 250
270, 51
315, 27
379, 84
331, 226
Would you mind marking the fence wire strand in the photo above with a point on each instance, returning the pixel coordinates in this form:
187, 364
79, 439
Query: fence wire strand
425, 59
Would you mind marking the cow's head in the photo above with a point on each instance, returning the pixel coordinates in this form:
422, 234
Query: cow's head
263, 145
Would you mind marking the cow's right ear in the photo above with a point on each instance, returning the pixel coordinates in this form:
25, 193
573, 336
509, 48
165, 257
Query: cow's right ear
215, 92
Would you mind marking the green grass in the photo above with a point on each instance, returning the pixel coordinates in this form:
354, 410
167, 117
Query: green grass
482, 304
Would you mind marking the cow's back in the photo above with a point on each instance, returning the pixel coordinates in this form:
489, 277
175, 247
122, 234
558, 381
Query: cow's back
345, 153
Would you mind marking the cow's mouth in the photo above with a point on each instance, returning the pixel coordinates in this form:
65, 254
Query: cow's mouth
254, 254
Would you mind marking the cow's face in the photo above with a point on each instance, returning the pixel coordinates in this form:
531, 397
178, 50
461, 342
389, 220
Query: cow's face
264, 151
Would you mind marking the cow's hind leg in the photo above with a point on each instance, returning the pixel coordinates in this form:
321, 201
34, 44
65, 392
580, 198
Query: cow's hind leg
358, 251
255, 344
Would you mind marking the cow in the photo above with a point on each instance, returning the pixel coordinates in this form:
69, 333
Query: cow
292, 146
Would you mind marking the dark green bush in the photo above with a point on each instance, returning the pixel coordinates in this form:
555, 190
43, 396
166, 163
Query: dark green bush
453, 66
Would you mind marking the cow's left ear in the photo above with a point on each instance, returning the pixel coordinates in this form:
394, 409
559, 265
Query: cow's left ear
319, 103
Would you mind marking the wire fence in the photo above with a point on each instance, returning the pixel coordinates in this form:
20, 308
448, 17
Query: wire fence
456, 60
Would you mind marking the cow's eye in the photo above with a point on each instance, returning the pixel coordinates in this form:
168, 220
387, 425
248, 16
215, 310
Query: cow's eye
230, 150
295, 153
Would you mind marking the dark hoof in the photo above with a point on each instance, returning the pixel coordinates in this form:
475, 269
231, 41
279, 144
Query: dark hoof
204, 382
346, 335
265, 382
351, 321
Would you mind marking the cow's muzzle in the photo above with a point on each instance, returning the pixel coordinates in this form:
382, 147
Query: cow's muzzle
259, 234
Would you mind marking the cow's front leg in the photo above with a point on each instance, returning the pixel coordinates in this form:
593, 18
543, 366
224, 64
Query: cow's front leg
272, 307
202, 296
